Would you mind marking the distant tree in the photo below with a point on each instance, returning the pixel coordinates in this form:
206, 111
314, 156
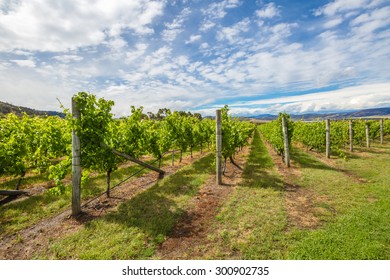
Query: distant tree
151, 116
198, 116
162, 113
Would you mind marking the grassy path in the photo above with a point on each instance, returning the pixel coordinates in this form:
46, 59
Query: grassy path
250, 224
315, 212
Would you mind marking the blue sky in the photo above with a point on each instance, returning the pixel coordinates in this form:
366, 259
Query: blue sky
256, 56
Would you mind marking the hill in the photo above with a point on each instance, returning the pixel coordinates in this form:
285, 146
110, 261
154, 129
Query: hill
367, 113
6, 108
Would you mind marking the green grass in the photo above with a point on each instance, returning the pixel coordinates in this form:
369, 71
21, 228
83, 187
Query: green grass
22, 214
361, 234
28, 180
361, 228
251, 222
352, 207
138, 225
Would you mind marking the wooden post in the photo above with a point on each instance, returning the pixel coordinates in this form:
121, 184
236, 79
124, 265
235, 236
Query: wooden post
285, 140
381, 129
76, 168
350, 136
327, 138
108, 182
367, 135
219, 147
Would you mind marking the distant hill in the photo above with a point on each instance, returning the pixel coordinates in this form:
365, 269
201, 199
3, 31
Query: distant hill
6, 108
367, 113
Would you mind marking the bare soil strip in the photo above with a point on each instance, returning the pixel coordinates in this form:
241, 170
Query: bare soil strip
299, 202
30, 241
188, 239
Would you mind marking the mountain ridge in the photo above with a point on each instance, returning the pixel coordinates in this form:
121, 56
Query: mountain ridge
6, 108
365, 113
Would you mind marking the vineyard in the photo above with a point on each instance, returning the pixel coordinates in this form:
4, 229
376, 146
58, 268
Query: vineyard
148, 188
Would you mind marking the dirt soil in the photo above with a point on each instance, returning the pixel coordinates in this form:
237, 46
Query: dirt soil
31, 241
300, 202
188, 239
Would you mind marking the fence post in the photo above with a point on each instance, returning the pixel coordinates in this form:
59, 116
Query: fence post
350, 136
219, 147
368, 135
285, 140
381, 129
327, 138
76, 168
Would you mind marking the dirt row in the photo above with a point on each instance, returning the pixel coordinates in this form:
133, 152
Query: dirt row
299, 201
188, 239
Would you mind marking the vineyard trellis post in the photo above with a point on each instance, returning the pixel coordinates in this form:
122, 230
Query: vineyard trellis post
219, 146
327, 138
76, 164
285, 140
381, 129
350, 136
368, 135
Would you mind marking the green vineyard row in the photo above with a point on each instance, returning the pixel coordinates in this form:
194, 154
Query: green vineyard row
44, 143
313, 134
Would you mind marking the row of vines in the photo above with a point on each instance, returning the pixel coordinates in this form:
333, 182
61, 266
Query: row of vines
312, 135
43, 144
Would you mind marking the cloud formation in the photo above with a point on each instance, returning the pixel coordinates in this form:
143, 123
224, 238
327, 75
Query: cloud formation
195, 55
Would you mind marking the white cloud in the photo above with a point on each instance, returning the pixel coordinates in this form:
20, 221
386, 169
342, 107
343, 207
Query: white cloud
140, 49
338, 6
217, 10
193, 38
204, 45
232, 33
349, 98
370, 22
347, 6
207, 25
67, 58
333, 22
159, 95
229, 61
175, 27
20, 52
45, 25
25, 62
22, 87
269, 11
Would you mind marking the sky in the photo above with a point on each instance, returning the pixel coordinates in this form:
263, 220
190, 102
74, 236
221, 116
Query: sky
258, 57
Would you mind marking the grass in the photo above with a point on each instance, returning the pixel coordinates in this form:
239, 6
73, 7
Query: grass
251, 222
361, 229
353, 214
31, 178
22, 214
138, 225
